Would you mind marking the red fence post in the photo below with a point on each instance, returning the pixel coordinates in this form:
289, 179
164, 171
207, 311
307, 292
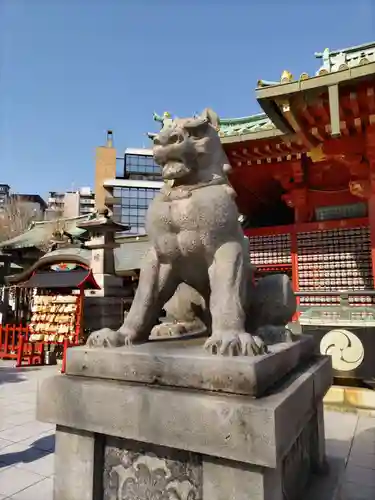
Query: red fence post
21, 342
65, 349
6, 340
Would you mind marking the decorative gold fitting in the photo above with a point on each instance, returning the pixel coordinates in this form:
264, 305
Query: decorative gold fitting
286, 76
316, 154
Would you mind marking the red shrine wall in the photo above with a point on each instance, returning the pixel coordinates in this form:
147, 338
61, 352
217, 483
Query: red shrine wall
329, 256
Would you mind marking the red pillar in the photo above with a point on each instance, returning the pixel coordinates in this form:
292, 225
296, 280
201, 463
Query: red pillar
370, 153
298, 199
371, 218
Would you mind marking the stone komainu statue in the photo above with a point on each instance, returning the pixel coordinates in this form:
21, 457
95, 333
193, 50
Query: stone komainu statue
197, 243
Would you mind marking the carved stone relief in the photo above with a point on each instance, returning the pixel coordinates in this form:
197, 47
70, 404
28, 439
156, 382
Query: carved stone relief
134, 471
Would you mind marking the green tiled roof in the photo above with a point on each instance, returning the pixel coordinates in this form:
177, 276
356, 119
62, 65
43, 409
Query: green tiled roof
247, 125
346, 58
41, 232
230, 127
332, 61
337, 60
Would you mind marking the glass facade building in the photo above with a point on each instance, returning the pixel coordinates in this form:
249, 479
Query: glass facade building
133, 191
141, 167
133, 206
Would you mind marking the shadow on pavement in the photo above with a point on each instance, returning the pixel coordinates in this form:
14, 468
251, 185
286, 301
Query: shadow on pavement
10, 375
39, 449
326, 486
340, 481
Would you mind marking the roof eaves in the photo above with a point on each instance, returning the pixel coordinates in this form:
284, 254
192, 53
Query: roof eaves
63, 219
254, 136
39, 232
235, 127
323, 80
333, 62
348, 50
243, 120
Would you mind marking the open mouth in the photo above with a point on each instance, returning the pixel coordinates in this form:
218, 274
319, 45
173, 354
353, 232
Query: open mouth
175, 170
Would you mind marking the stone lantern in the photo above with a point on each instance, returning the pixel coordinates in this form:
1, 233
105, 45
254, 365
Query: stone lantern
104, 307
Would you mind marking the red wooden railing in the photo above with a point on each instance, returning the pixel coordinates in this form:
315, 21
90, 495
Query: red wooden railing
15, 345
15, 342
32, 353
10, 336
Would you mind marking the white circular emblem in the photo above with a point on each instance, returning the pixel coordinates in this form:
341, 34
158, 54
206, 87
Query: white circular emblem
345, 348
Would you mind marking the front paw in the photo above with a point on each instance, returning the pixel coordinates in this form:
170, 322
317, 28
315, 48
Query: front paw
235, 344
105, 338
130, 337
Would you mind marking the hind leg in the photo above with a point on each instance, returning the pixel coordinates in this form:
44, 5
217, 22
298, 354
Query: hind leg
186, 313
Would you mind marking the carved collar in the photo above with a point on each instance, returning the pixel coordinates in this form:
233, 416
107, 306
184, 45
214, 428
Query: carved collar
171, 193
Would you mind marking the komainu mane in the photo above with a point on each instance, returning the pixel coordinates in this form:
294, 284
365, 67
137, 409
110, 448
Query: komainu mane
197, 242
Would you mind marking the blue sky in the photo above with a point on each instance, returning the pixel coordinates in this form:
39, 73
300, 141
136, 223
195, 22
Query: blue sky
70, 69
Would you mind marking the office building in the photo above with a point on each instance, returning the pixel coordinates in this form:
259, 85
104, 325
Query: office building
32, 204
71, 203
4, 193
134, 191
129, 191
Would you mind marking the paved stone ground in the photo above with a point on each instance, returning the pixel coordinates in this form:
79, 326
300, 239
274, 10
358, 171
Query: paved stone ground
27, 446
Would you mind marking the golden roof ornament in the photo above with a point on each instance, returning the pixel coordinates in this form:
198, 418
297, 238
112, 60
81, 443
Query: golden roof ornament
286, 76
316, 154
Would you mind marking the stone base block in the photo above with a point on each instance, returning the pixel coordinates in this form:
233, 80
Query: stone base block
186, 364
121, 440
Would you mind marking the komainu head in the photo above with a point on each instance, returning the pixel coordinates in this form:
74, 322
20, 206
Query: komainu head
189, 149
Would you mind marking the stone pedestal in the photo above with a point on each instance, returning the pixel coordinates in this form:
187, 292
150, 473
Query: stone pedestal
166, 421
104, 307
103, 312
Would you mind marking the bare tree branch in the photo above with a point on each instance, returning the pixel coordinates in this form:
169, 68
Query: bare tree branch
16, 216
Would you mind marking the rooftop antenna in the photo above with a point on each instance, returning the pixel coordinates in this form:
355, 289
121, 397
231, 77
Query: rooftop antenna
109, 142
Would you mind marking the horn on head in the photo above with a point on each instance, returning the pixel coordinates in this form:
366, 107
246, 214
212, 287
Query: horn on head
212, 117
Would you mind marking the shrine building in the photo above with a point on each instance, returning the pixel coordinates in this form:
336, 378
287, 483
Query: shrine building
304, 174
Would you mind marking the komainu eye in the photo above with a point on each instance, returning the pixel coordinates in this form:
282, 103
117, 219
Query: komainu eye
197, 131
